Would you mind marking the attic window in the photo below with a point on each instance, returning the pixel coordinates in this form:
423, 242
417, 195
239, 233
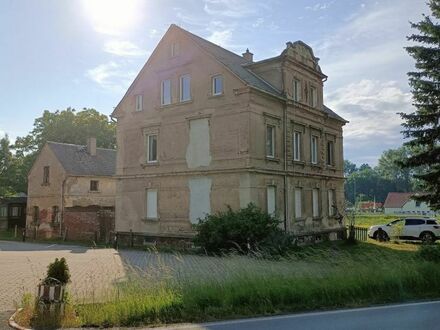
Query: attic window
46, 175
139, 102
174, 49
94, 185
217, 85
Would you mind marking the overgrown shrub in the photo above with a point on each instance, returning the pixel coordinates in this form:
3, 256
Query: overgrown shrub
429, 252
58, 271
246, 229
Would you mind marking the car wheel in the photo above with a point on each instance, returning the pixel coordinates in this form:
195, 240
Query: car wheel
380, 236
427, 237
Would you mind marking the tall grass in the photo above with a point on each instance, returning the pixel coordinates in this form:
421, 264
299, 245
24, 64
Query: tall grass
336, 277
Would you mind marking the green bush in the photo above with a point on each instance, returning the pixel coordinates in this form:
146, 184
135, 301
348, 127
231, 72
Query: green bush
246, 229
429, 252
58, 271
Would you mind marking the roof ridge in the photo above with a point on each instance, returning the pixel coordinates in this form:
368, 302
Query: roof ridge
78, 145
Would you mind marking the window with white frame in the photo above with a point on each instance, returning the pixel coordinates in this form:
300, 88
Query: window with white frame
296, 145
3, 211
296, 90
166, 92
151, 203
331, 202
139, 102
270, 141
298, 203
151, 148
185, 88
217, 85
271, 200
313, 100
314, 150
315, 202
330, 152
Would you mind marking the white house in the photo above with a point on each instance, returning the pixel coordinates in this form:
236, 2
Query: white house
403, 203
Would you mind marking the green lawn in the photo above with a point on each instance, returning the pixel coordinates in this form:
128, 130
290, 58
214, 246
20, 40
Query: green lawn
371, 219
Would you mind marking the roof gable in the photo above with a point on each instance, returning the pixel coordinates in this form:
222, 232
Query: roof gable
77, 161
397, 200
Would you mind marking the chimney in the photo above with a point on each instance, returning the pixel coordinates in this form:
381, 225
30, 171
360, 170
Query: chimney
248, 55
91, 146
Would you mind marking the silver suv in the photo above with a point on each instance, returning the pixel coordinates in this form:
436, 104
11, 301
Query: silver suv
425, 229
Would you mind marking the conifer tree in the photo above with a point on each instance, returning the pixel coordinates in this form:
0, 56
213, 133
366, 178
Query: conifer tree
422, 127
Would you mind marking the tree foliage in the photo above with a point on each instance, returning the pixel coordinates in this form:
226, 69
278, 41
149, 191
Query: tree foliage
422, 126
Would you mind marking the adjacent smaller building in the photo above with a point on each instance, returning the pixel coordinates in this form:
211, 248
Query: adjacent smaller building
71, 191
13, 212
403, 203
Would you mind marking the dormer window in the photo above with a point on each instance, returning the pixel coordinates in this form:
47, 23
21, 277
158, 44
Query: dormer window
313, 100
296, 90
139, 102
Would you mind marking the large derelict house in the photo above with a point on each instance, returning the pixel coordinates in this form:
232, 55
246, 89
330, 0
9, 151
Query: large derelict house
71, 192
201, 128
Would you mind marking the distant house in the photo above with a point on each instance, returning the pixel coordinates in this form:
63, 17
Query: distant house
13, 212
71, 191
403, 203
369, 206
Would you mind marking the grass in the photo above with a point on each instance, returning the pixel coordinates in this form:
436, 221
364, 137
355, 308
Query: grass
371, 219
336, 276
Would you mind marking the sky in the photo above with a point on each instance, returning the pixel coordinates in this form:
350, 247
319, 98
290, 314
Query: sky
56, 54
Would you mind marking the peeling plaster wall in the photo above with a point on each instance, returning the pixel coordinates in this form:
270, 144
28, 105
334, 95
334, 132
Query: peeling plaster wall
198, 151
77, 192
200, 198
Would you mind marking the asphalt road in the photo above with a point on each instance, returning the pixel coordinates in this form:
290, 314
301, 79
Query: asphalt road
424, 315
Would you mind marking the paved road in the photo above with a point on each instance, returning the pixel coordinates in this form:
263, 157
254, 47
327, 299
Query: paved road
403, 317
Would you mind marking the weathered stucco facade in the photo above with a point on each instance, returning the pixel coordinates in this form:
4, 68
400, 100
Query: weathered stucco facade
213, 149
63, 198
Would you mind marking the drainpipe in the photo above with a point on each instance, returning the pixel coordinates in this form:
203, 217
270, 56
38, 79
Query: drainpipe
285, 183
62, 205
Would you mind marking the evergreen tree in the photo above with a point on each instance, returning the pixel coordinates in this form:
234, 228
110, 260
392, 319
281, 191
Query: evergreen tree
423, 125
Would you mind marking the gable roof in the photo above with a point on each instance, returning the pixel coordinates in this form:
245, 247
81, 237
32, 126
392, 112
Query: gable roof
397, 199
239, 66
77, 161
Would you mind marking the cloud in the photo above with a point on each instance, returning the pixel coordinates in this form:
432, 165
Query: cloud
123, 48
221, 38
230, 8
320, 6
371, 106
112, 76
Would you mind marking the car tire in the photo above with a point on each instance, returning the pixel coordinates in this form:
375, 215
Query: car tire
377, 237
427, 237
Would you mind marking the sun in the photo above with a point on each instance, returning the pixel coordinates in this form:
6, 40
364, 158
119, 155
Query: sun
112, 16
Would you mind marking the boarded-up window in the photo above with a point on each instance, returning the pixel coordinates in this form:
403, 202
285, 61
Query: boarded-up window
298, 203
271, 200
151, 203
315, 202
331, 202
139, 102
198, 151
200, 198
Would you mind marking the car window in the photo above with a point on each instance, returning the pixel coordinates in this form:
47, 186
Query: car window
431, 222
395, 222
414, 222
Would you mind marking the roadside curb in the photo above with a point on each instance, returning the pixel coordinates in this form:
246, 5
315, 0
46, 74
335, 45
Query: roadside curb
15, 325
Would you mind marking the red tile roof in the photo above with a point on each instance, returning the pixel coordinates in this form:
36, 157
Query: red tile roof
397, 199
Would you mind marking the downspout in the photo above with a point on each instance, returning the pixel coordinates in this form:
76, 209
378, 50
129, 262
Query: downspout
286, 189
62, 205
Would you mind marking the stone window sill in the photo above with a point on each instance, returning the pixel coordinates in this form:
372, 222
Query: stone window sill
150, 219
272, 159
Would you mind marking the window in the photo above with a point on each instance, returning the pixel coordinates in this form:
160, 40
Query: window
36, 215
315, 202
296, 90
331, 203
166, 92
271, 200
15, 211
314, 150
174, 49
330, 153
296, 146
313, 100
270, 141
217, 85
298, 203
418, 203
46, 175
55, 213
151, 203
431, 222
139, 102
414, 222
185, 88
152, 148
3, 211
94, 185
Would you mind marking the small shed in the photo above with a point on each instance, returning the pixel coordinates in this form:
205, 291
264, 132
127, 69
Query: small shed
13, 212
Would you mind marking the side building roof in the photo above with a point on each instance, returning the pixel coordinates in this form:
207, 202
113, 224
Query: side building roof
397, 199
77, 161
